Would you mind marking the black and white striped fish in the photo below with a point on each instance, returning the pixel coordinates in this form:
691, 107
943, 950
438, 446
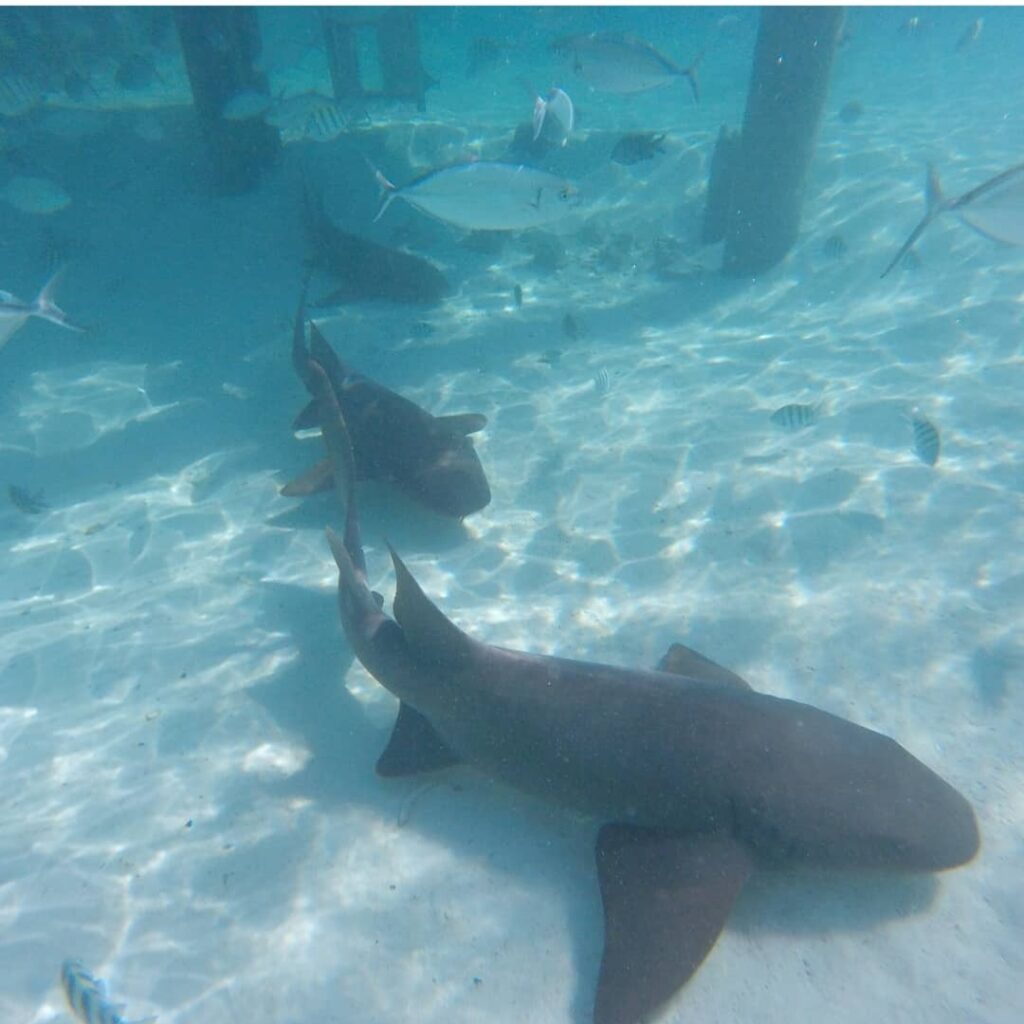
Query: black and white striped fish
87, 997
795, 416
927, 443
325, 123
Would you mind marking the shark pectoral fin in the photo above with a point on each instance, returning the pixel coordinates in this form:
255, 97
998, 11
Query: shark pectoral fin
431, 634
681, 660
308, 418
666, 899
414, 747
319, 477
463, 423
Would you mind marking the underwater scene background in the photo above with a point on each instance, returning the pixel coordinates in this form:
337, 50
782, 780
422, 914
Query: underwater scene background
811, 474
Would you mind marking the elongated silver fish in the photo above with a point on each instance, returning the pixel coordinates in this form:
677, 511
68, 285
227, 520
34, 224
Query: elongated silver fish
995, 209
485, 196
621, 63
87, 997
794, 416
927, 442
14, 312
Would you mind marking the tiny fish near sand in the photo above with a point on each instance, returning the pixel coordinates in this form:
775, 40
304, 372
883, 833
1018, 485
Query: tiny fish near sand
995, 209
87, 997
485, 196
795, 416
620, 63
14, 312
927, 443
637, 147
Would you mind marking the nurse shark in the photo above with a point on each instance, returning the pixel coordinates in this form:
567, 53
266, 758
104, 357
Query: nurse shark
429, 458
696, 778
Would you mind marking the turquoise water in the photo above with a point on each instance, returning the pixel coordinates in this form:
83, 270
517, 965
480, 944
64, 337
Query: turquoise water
187, 742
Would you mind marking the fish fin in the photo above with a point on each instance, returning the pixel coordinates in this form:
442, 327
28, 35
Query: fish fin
935, 204
388, 192
540, 109
666, 899
317, 478
429, 631
308, 418
681, 660
379, 598
414, 747
463, 423
45, 307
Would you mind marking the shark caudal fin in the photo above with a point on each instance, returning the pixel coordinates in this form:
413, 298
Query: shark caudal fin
45, 307
342, 460
935, 203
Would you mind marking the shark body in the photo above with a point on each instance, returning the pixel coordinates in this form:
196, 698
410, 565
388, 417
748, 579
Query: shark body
696, 778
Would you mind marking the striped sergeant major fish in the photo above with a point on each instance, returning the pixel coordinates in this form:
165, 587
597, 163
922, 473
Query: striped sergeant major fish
87, 997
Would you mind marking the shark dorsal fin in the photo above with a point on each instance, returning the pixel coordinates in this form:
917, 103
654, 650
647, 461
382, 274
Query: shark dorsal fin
681, 660
414, 747
463, 422
431, 634
666, 898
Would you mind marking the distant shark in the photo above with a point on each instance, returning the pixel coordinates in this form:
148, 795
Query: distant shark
366, 270
429, 458
697, 778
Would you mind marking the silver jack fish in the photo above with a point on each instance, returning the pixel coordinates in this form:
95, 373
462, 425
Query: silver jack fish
87, 997
485, 196
14, 312
614, 62
995, 209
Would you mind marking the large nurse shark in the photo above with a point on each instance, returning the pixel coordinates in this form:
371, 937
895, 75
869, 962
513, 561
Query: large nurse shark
696, 778
430, 458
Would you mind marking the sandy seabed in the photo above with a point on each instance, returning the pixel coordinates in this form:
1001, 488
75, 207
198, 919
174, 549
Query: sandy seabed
186, 744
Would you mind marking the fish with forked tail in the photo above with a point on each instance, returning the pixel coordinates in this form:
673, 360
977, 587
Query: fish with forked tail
14, 312
995, 209
620, 63
485, 195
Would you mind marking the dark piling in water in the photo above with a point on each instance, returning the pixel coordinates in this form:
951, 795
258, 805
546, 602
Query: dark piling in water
220, 46
768, 170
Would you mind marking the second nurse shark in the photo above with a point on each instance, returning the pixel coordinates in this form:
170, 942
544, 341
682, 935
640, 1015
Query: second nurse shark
696, 778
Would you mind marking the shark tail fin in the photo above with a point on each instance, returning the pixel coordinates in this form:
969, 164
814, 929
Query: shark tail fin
342, 460
45, 307
935, 203
430, 632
